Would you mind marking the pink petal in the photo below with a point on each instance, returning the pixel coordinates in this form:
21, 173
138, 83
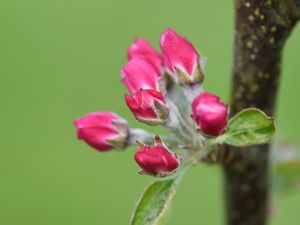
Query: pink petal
139, 74
141, 49
178, 52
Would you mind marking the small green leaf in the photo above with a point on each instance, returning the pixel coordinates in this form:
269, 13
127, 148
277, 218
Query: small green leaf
249, 127
153, 206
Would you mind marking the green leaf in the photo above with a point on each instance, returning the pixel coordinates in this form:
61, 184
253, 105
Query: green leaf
249, 127
153, 206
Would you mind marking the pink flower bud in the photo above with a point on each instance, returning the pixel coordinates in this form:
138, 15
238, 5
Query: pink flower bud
181, 58
102, 130
210, 114
137, 74
148, 106
156, 160
141, 49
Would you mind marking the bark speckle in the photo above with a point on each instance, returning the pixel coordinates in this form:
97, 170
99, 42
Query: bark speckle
248, 4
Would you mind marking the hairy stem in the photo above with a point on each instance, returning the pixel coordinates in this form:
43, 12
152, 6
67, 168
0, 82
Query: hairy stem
261, 29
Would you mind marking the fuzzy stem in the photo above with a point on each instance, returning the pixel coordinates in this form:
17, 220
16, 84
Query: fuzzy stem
261, 29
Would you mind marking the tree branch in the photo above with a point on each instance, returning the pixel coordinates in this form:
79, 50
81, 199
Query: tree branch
261, 29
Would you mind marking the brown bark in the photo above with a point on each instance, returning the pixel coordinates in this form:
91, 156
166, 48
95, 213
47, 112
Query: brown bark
261, 29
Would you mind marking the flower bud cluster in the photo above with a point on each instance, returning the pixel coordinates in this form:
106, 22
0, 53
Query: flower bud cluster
144, 76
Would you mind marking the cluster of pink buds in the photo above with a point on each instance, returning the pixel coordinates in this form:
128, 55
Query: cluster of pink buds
190, 115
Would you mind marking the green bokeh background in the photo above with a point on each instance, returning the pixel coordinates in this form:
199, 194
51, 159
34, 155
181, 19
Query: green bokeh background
60, 59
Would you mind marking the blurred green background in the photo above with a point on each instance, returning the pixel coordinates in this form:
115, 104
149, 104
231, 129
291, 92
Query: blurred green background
60, 59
